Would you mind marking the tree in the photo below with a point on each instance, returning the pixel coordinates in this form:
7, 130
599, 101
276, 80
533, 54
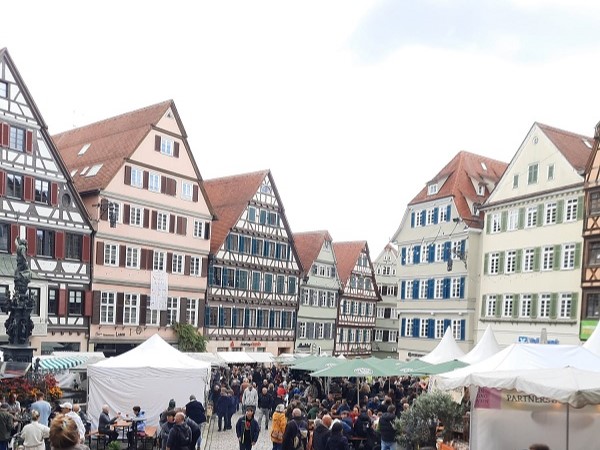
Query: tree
189, 338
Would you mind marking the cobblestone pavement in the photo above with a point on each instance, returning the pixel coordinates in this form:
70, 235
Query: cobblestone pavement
227, 440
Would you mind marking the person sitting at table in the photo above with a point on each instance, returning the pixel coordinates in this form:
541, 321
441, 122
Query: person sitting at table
104, 423
138, 427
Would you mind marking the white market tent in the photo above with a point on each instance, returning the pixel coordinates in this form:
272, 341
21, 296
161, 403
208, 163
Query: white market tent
149, 376
246, 357
446, 350
208, 357
486, 347
593, 342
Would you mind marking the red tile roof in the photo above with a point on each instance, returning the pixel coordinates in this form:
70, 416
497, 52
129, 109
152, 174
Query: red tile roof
346, 255
575, 147
308, 245
459, 172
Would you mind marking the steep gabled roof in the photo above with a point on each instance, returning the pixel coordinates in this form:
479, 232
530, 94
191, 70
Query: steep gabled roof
230, 197
458, 174
346, 255
309, 244
576, 148
112, 141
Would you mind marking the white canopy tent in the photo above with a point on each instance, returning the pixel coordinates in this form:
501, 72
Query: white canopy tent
446, 350
593, 342
149, 376
246, 357
486, 347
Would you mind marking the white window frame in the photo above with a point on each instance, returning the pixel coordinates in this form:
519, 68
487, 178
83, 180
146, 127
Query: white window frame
510, 265
408, 327
198, 228
443, 215
565, 305
380, 312
178, 263
525, 305
439, 251
456, 329
131, 305
162, 221
531, 217
302, 330
132, 257
439, 329
528, 260
422, 289
508, 304
191, 311
154, 181
490, 305
455, 287
550, 210
195, 266
111, 254
423, 328
496, 224
378, 335
571, 209
172, 310
568, 256
429, 216
136, 216
152, 317
408, 289
494, 263
418, 219
533, 173
432, 189
187, 190
108, 308
513, 220
438, 288
544, 303
547, 258
392, 337
159, 261
167, 146
137, 177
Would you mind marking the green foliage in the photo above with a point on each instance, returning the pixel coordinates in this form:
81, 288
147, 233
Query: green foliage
189, 338
417, 425
114, 445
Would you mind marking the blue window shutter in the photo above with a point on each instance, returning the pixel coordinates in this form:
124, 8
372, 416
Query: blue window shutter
423, 217
417, 254
462, 287
448, 211
430, 284
278, 251
402, 327
211, 275
446, 293
430, 328
228, 242
416, 325
271, 319
447, 250
221, 317
234, 312
462, 329
431, 251
225, 277
206, 315
259, 316
416, 289
246, 317
412, 219
447, 323
242, 246
402, 287
435, 215
254, 246
403, 258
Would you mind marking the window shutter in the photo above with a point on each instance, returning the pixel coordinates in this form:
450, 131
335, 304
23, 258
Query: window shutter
578, 255
99, 253
447, 324
423, 217
521, 224
431, 253
31, 241
462, 287
104, 209
463, 324
172, 221
183, 301
143, 308
446, 288
28, 189
560, 207
163, 184
29, 142
172, 186
96, 297
556, 262
574, 300
498, 310
204, 266
2, 183
540, 215
534, 307
146, 218
412, 219
501, 262
403, 256
163, 318
154, 220
62, 302
430, 284
195, 194
143, 256
553, 305
447, 250
169, 267
188, 262
483, 306
435, 215
127, 178
206, 316
416, 325
536, 259
415, 289
207, 230
145, 178
5, 135
126, 213
403, 328
59, 245
430, 328
86, 249
122, 255
88, 303
119, 308
503, 220
402, 287
448, 212
580, 208
157, 140
176, 150
488, 225
417, 254
14, 233
519, 260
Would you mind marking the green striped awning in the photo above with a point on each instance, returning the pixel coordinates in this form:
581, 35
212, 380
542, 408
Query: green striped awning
58, 363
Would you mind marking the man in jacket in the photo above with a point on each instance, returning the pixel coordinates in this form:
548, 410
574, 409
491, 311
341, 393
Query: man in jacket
180, 436
195, 411
247, 430
387, 430
265, 402
321, 433
250, 397
104, 423
6, 426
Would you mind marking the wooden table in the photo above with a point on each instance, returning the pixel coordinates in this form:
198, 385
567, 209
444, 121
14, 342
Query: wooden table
124, 425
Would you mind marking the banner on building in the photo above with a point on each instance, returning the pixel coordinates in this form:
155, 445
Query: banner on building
159, 289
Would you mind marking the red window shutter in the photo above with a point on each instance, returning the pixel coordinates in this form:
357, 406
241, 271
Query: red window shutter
122, 254
169, 262
54, 194
146, 218
100, 253
29, 142
176, 150
59, 245
2, 183
127, 179
96, 296
31, 235
126, 213
62, 302
157, 143
14, 233
145, 179
85, 248
28, 189
188, 262
163, 184
150, 259
181, 225
88, 304
172, 220
183, 310
154, 219
5, 135
195, 198
204, 267
103, 209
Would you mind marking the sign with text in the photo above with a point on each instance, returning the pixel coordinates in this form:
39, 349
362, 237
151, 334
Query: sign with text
159, 289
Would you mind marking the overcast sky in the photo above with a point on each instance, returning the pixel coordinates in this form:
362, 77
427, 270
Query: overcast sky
353, 105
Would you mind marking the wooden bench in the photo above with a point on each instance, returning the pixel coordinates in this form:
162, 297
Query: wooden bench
149, 437
100, 438
357, 441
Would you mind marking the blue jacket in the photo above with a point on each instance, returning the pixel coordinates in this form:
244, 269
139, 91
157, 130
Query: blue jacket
222, 405
254, 428
232, 404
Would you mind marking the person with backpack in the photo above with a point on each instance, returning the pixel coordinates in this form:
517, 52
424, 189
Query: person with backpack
247, 429
180, 436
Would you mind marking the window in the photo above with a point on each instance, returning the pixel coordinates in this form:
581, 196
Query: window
432, 189
132, 258
438, 291
137, 177
494, 263
544, 306
525, 309
594, 254
378, 335
408, 289
513, 220
3, 89
34, 294
154, 182
42, 191
320, 330
4, 237
108, 306
528, 259
507, 306
380, 312
481, 189
166, 146
14, 186
131, 305
111, 255
439, 328
177, 265
532, 174
191, 312
443, 215
511, 261
490, 306
17, 138
547, 257
550, 213
195, 265
418, 217
159, 262
550, 171
423, 289
302, 330
496, 223
172, 310
531, 217
136, 216
515, 181
455, 288
424, 328
456, 329
571, 210
408, 327
198, 225
152, 316
568, 256
592, 309
52, 301
332, 299
409, 255
44, 245
187, 190
73, 246
323, 297
162, 221
429, 216
564, 310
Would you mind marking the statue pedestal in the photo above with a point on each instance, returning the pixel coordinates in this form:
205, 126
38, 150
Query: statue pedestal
17, 353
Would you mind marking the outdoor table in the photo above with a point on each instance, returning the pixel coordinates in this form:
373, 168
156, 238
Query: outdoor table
124, 426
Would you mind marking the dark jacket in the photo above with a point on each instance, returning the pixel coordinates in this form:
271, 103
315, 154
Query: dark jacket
386, 427
180, 437
320, 436
254, 428
337, 442
195, 429
265, 400
291, 431
222, 405
362, 425
195, 411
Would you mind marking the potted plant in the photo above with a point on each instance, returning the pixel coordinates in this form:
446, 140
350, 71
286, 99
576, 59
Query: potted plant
417, 427
114, 445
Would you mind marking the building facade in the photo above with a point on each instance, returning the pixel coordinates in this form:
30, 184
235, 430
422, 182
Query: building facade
142, 188
439, 244
39, 203
531, 247
319, 293
254, 270
385, 336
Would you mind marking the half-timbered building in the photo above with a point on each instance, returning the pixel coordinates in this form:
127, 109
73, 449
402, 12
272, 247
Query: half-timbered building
358, 299
252, 296
141, 185
39, 203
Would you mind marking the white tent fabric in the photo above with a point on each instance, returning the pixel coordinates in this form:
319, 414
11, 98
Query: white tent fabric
593, 342
262, 357
149, 376
446, 350
486, 347
208, 357
235, 357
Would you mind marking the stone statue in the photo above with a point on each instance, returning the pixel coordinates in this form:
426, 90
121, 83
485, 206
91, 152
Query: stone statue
19, 324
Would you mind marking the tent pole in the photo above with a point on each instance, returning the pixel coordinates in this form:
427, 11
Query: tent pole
568, 408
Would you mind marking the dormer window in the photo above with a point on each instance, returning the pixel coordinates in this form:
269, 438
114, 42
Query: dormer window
3, 89
481, 189
432, 189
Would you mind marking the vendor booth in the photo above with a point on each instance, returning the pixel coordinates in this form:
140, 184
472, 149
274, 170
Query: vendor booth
149, 376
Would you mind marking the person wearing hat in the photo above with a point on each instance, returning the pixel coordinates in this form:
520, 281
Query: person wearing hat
247, 429
6, 426
67, 410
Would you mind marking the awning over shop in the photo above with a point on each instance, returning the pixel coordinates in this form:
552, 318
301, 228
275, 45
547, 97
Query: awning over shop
58, 363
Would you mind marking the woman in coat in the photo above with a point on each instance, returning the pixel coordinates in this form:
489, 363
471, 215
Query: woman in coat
278, 426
